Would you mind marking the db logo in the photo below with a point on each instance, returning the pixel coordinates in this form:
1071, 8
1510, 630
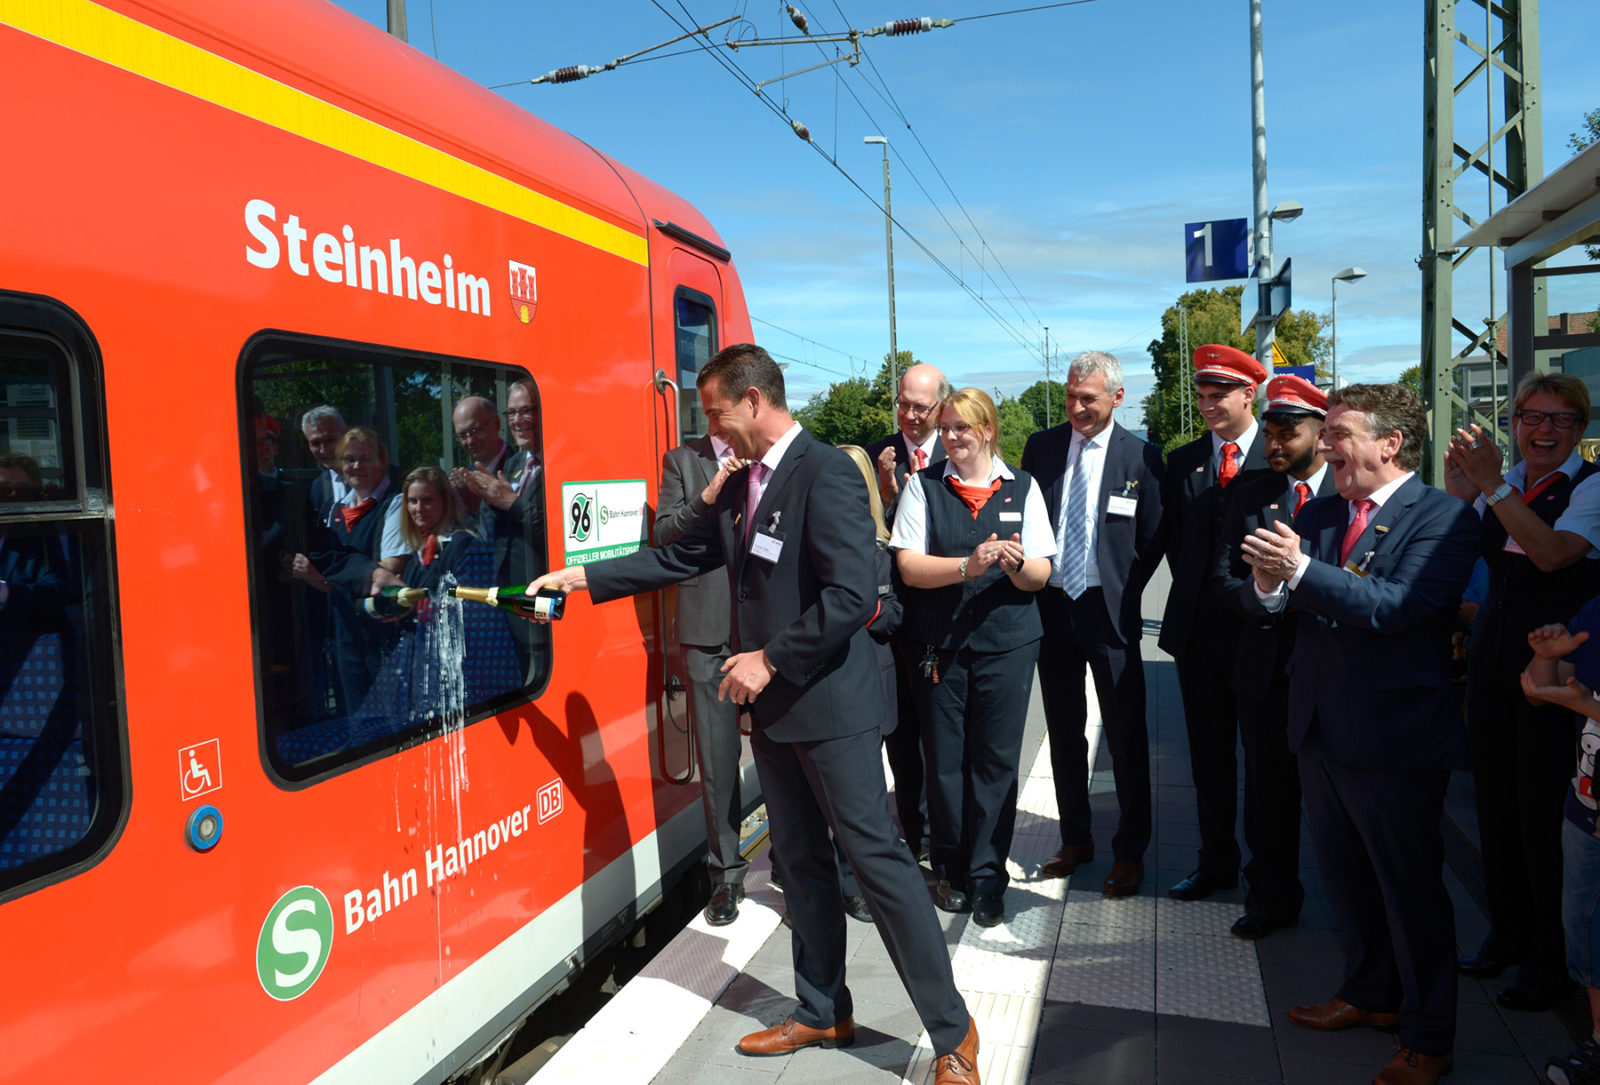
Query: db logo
549, 801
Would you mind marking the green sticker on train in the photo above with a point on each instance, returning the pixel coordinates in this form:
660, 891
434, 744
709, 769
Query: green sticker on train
295, 941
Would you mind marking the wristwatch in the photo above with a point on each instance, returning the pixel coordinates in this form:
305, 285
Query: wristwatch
1500, 493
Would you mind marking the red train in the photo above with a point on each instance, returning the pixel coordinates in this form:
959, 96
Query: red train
213, 866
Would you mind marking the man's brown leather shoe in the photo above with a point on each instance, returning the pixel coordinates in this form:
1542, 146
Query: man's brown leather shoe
1068, 859
791, 1035
1414, 1068
960, 1067
1124, 879
1336, 1015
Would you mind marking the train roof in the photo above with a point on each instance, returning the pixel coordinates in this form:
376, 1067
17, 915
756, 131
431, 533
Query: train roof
323, 50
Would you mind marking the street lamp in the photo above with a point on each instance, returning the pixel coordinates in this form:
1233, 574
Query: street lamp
888, 244
1348, 275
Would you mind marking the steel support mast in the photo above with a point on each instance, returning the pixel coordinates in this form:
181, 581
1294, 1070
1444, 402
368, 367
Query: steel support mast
1498, 42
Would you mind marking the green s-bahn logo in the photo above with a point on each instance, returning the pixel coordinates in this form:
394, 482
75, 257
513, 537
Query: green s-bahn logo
295, 941
581, 515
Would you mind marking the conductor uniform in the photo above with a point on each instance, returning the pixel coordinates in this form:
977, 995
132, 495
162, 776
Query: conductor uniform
1260, 682
1200, 633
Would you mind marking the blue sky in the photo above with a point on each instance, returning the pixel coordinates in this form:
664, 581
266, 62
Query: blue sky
1048, 159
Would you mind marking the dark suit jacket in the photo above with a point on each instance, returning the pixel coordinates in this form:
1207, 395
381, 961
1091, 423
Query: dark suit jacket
703, 600
1264, 643
902, 466
808, 609
1193, 503
1370, 668
1127, 548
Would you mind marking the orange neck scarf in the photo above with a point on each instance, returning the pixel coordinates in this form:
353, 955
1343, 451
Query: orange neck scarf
975, 496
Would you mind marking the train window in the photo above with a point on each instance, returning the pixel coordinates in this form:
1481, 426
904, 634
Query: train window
694, 322
62, 784
369, 467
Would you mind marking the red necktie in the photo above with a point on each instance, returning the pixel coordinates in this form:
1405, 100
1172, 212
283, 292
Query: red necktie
1230, 464
1544, 484
1357, 527
354, 513
1304, 490
922, 460
430, 550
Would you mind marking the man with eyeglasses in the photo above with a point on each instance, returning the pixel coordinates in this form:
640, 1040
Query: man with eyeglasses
915, 447
1541, 530
507, 485
916, 408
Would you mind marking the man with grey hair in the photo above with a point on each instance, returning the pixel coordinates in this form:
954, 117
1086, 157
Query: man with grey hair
1102, 486
322, 427
1374, 575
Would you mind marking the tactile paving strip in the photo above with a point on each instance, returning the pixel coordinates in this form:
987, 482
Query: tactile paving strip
1003, 971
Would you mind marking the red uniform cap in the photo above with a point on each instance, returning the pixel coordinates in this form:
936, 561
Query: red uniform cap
1217, 364
1289, 394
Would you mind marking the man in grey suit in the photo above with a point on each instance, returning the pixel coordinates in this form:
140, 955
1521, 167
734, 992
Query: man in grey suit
794, 533
692, 476
1102, 486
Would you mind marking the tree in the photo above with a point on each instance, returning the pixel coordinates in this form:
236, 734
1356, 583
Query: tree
1033, 398
1412, 379
857, 411
1016, 423
1213, 317
1581, 140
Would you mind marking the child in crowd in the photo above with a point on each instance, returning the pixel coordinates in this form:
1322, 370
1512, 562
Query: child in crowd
1565, 670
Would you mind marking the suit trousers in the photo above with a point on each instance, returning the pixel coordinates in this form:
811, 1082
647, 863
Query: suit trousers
1078, 633
972, 724
1271, 805
1521, 769
838, 783
904, 748
1211, 718
1379, 848
716, 746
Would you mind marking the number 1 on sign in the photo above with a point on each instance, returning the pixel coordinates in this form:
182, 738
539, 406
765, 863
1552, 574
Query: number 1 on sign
1204, 234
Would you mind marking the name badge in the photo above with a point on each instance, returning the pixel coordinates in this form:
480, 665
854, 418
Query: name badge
766, 547
1010, 517
1117, 505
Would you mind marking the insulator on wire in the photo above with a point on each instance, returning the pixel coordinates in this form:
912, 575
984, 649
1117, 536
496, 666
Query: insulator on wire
798, 18
909, 26
801, 130
570, 74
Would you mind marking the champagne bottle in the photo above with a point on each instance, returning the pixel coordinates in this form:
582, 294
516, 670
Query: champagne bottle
547, 605
393, 600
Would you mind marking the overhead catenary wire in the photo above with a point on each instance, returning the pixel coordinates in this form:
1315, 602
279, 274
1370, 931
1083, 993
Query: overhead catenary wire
749, 84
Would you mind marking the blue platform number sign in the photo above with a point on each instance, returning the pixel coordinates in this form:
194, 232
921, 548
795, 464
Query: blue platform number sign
1216, 250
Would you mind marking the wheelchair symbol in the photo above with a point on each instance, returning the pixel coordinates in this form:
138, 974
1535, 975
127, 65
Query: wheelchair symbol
200, 769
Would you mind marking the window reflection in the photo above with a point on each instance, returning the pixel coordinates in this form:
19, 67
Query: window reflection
59, 785
391, 471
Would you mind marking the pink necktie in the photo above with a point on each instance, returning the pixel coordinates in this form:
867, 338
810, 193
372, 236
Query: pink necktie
1304, 490
922, 459
1357, 527
752, 495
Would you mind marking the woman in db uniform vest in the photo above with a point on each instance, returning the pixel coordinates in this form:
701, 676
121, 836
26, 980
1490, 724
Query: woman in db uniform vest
972, 545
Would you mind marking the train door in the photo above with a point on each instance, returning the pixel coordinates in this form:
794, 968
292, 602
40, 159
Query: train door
695, 334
